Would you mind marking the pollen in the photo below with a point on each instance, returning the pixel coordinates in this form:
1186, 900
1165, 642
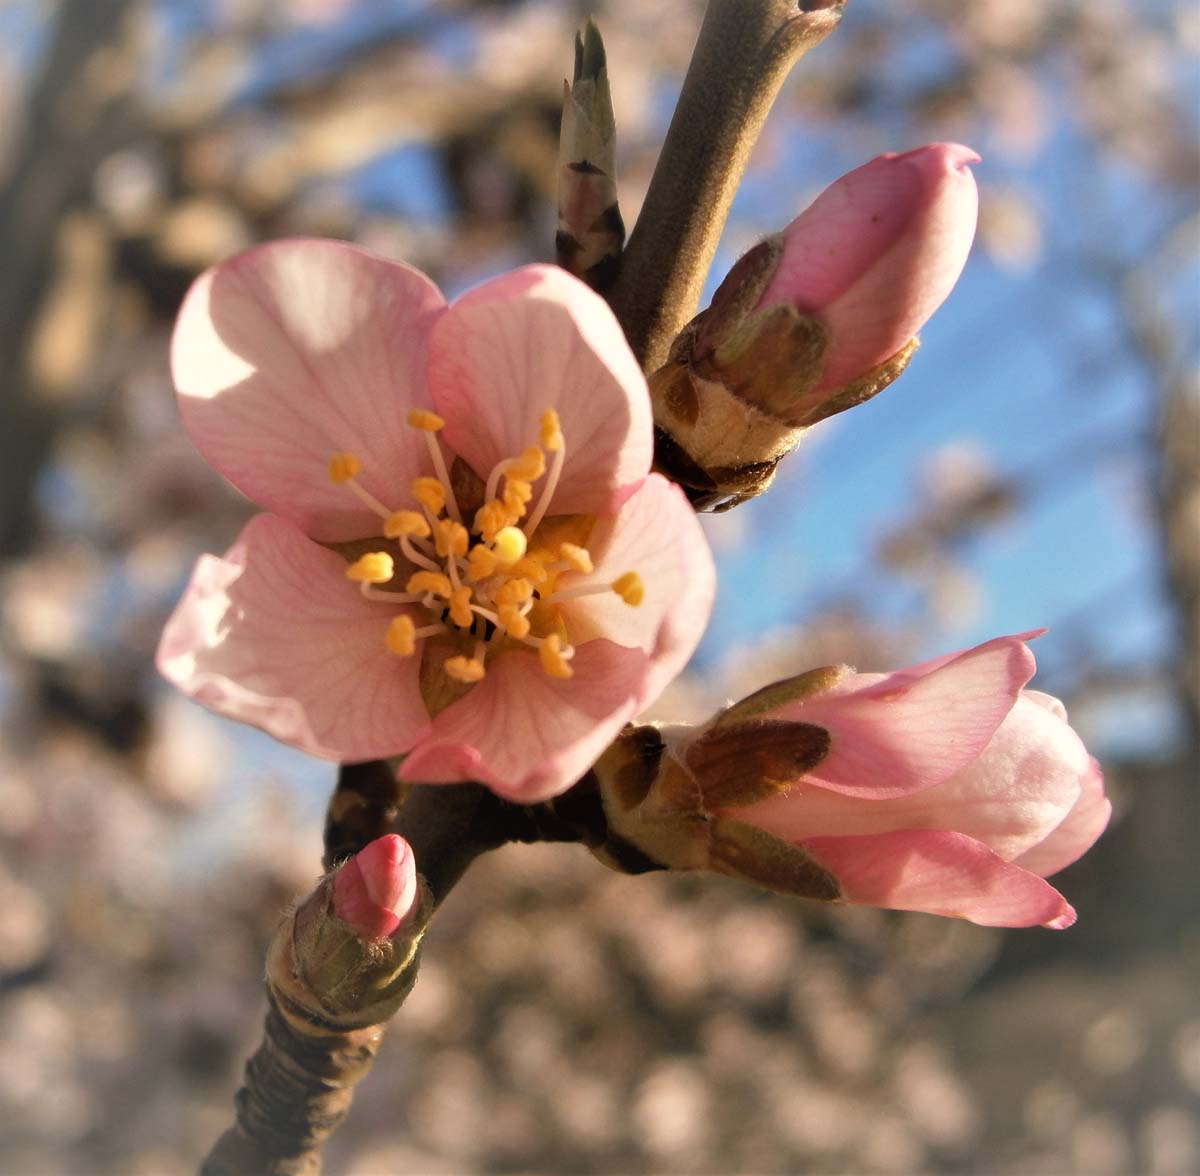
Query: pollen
532, 568
451, 538
460, 607
551, 432
343, 467
435, 582
578, 558
516, 494
422, 418
491, 518
630, 588
464, 669
401, 636
530, 466
515, 622
430, 493
552, 657
515, 591
481, 562
376, 567
509, 545
406, 522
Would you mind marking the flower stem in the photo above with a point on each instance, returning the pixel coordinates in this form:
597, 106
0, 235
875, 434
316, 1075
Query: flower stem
745, 50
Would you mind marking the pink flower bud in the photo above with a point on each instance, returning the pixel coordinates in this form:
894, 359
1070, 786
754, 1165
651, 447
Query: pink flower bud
375, 892
877, 253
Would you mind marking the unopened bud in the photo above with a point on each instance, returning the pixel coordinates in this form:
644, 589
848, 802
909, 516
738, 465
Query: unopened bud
813, 320
376, 890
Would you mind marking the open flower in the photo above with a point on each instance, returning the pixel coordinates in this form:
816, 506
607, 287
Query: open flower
466, 559
944, 788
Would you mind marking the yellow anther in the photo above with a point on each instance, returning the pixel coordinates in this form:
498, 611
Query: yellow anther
463, 669
376, 567
435, 582
551, 654
552, 437
343, 467
490, 518
422, 418
460, 607
429, 492
509, 544
401, 636
481, 562
630, 588
515, 623
530, 466
578, 557
406, 522
516, 494
451, 538
515, 591
532, 568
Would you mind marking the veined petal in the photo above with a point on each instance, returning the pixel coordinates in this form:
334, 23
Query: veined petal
657, 535
537, 339
275, 635
1078, 831
1010, 798
942, 873
296, 350
894, 734
528, 736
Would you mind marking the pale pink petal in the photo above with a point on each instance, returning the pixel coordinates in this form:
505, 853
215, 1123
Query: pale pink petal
526, 735
376, 891
535, 339
942, 873
656, 534
275, 635
296, 350
894, 734
1019, 789
1078, 831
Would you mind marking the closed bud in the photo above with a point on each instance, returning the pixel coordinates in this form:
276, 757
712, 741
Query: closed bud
814, 320
375, 892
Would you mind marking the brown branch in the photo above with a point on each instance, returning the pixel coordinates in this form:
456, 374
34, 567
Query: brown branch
745, 50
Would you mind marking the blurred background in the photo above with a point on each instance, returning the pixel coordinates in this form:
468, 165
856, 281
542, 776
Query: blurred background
1039, 464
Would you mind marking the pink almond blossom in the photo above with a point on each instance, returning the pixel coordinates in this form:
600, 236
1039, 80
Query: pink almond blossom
877, 253
466, 559
946, 788
375, 893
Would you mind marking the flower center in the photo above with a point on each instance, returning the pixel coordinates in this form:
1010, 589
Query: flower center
492, 582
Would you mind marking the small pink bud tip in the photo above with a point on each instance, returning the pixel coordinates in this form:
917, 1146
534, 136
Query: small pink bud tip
877, 253
376, 891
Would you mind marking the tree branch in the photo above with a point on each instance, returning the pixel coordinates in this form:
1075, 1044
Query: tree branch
745, 50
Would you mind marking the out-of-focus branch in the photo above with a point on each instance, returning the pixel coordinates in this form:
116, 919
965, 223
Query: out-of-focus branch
745, 50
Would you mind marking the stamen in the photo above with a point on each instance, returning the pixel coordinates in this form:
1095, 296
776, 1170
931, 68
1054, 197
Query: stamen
422, 418
460, 608
406, 522
431, 582
464, 669
509, 545
430, 493
343, 467
630, 588
552, 439
532, 568
515, 591
376, 567
490, 518
386, 597
554, 658
481, 562
415, 556
514, 621
401, 636
450, 538
577, 558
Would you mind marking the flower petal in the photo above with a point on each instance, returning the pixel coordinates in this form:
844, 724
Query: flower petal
535, 339
656, 534
296, 350
526, 735
942, 873
275, 635
1078, 831
895, 733
1018, 790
